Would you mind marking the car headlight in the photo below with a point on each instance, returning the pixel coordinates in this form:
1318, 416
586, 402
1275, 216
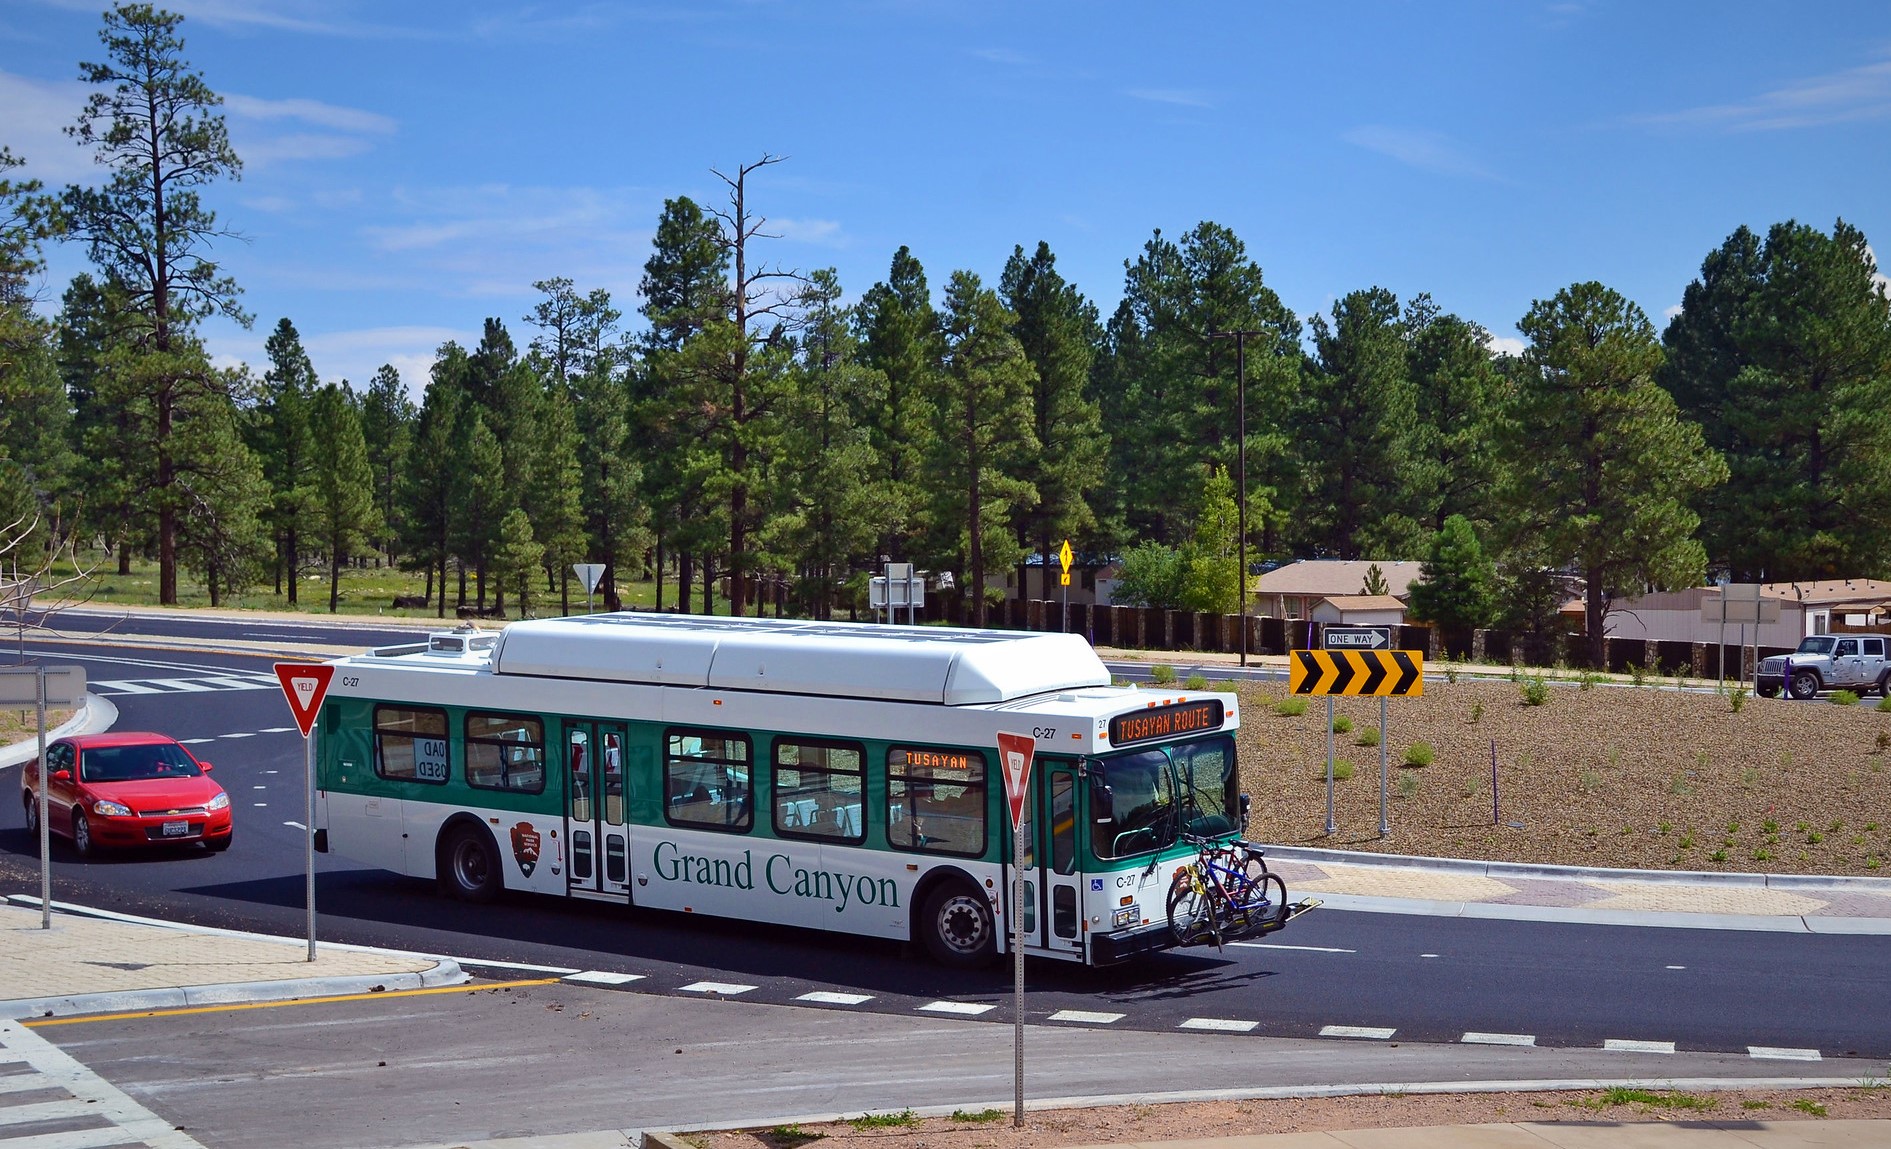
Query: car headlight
220, 802
111, 809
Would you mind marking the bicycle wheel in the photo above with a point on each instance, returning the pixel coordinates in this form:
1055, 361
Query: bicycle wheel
1189, 912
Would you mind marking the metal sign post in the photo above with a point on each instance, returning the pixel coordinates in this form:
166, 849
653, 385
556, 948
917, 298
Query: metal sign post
1357, 660
1014, 756
304, 684
1063, 560
588, 574
43, 686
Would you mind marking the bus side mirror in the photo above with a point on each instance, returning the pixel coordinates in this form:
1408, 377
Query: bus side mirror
1102, 804
1245, 801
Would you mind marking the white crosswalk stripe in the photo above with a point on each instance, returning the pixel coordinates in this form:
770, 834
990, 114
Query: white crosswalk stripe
194, 685
92, 1113
725, 988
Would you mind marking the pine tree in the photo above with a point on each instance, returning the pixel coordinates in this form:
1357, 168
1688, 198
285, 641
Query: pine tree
1605, 467
283, 437
341, 489
1455, 590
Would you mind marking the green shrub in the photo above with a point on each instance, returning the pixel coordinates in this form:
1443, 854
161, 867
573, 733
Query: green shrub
1477, 713
1408, 785
1162, 674
1342, 769
884, 1120
1844, 698
1884, 706
1342, 725
979, 1118
1196, 682
1737, 699
1369, 736
1419, 754
1451, 675
1290, 707
1536, 690
1638, 673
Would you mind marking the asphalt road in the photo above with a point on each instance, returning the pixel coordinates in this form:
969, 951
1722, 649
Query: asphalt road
1424, 979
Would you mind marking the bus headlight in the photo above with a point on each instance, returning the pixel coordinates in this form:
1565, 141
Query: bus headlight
1127, 916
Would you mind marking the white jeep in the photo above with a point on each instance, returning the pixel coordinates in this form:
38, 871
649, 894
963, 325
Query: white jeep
1853, 662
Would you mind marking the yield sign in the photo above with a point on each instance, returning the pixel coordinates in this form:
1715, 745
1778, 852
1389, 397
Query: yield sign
303, 684
1014, 758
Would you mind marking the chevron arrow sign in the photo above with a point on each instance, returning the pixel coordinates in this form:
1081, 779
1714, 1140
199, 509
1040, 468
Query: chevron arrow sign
1363, 672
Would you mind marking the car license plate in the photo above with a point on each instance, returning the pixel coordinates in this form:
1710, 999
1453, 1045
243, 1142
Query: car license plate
176, 829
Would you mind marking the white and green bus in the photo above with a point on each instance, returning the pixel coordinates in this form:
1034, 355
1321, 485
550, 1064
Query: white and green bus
838, 776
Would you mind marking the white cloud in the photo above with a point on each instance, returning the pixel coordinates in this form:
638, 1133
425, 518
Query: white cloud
296, 146
310, 112
1862, 93
816, 231
35, 113
1182, 97
315, 17
1503, 344
1425, 150
1671, 312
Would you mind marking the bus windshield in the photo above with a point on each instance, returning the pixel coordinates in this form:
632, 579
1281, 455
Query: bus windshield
1144, 798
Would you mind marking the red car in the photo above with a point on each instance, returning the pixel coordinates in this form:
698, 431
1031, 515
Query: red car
130, 789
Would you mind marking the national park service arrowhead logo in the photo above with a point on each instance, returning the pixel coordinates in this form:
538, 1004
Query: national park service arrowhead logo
525, 847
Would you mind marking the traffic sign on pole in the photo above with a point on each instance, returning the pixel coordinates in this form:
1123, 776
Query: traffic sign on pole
304, 684
1014, 760
1356, 637
1370, 672
1014, 753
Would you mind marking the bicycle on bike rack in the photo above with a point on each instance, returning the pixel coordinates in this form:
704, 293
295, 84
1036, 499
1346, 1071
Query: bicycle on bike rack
1227, 892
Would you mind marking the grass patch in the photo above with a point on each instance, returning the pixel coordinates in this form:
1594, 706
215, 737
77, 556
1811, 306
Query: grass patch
1369, 736
1162, 674
1808, 1105
789, 1136
1196, 682
981, 1117
1420, 754
868, 1121
1751, 1104
1342, 769
1648, 1098
1408, 785
1342, 725
1844, 698
1535, 690
1290, 707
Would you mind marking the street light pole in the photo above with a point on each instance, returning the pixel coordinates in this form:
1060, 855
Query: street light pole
1241, 465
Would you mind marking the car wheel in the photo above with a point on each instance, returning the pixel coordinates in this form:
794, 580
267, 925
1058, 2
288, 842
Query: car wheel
218, 845
32, 814
1805, 685
1769, 692
470, 866
82, 843
958, 928
1884, 685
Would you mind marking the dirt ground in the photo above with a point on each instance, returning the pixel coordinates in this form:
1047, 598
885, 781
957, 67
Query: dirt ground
23, 726
992, 1128
1647, 777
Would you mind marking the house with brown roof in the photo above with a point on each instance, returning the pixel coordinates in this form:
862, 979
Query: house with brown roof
1824, 606
1295, 590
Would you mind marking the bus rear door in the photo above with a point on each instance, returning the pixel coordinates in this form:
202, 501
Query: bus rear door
594, 808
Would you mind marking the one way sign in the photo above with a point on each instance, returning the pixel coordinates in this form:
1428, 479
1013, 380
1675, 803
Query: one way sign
1366, 672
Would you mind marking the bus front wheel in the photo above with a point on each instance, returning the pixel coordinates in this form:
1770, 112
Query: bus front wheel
957, 925
469, 868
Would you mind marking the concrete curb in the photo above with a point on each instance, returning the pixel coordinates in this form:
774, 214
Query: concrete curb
445, 973
1500, 870
97, 714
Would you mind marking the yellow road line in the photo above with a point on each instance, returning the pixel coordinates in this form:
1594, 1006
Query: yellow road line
45, 1021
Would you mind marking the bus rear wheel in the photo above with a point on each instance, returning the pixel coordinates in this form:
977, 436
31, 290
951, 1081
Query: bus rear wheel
469, 866
957, 926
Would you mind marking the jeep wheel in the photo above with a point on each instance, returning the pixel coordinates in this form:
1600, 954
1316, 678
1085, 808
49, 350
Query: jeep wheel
1769, 692
1884, 681
1805, 685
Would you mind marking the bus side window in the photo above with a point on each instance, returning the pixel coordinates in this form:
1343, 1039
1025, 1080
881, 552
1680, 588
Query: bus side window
706, 779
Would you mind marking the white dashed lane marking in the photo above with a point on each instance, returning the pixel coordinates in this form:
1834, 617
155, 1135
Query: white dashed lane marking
962, 1008
1777, 1053
828, 997
1304, 949
1498, 1039
1621, 1045
1374, 1032
602, 977
1086, 1016
725, 988
1218, 1024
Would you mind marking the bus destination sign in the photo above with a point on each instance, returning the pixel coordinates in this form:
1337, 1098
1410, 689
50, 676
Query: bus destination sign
1165, 721
942, 759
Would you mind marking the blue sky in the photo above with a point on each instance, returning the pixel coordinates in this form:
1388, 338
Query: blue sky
412, 168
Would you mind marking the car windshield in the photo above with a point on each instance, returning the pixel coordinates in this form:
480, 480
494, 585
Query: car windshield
136, 763
1817, 644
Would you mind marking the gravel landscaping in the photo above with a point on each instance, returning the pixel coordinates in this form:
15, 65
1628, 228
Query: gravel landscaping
1644, 777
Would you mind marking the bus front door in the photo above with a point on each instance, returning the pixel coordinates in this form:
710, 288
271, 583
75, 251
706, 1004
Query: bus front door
1051, 877
594, 811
